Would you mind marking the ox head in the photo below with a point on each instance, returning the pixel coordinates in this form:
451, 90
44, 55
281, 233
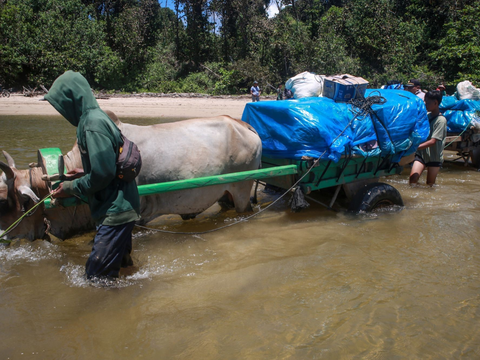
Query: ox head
16, 197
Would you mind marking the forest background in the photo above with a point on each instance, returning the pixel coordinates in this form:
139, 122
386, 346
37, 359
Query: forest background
221, 46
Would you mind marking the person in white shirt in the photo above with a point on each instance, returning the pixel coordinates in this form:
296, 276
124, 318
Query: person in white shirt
414, 87
255, 91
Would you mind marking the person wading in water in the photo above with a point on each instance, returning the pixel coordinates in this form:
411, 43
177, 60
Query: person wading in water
114, 203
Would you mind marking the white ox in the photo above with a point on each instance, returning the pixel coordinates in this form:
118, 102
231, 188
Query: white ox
173, 151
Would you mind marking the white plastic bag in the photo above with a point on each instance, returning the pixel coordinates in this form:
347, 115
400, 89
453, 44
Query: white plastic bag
465, 90
306, 84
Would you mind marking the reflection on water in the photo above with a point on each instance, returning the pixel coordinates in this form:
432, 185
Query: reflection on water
22, 136
308, 285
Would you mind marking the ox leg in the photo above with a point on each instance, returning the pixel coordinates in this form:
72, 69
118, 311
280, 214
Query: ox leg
254, 199
241, 196
226, 201
188, 216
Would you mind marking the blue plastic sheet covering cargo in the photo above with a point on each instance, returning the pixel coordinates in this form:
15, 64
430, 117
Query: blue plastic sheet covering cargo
307, 127
459, 113
394, 87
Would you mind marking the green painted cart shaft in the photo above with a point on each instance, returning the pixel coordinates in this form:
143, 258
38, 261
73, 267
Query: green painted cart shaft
152, 189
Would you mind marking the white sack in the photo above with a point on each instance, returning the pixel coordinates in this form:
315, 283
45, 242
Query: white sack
465, 90
306, 84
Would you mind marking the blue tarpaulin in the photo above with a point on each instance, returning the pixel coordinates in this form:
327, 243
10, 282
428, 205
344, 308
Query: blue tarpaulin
307, 127
459, 113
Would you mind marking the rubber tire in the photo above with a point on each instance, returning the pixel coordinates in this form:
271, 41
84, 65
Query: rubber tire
373, 196
475, 157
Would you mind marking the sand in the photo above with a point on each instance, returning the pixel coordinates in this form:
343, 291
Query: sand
168, 107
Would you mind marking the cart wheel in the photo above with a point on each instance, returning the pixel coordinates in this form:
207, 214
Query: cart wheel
375, 196
475, 156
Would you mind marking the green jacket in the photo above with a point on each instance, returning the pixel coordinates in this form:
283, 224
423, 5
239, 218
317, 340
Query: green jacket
112, 201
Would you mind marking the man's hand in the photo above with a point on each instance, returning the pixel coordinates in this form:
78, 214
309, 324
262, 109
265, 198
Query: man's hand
59, 193
74, 174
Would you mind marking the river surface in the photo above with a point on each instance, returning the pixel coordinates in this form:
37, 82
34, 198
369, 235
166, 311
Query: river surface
309, 285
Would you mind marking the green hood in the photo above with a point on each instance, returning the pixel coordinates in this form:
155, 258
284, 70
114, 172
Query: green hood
71, 96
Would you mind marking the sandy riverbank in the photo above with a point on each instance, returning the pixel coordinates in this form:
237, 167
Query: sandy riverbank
180, 107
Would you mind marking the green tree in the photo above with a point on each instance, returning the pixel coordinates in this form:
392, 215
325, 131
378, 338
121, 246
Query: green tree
15, 42
382, 40
332, 54
220, 46
42, 40
458, 55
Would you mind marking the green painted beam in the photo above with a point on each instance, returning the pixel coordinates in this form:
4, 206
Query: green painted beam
152, 189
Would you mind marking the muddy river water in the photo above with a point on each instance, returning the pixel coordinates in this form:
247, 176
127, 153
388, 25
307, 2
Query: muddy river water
308, 285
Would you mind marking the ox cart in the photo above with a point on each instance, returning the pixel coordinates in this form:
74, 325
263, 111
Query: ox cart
314, 143
463, 128
466, 144
357, 176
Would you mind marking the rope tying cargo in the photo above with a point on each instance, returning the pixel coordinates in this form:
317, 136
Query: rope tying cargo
459, 135
365, 104
365, 108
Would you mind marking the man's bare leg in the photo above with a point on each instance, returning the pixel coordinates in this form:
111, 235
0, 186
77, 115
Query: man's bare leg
432, 173
417, 169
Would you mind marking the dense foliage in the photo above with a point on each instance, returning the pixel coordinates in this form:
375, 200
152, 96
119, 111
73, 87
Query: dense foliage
220, 46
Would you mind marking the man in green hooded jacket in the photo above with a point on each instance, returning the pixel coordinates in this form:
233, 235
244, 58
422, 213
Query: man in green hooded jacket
114, 203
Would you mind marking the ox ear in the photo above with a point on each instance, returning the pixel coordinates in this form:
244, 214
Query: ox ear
7, 170
25, 190
10, 161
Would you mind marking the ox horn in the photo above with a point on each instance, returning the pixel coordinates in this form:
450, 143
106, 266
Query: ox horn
10, 161
25, 190
7, 170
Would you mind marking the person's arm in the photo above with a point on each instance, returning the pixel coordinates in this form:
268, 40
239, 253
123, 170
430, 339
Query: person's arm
103, 167
427, 144
71, 175
439, 132
251, 90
